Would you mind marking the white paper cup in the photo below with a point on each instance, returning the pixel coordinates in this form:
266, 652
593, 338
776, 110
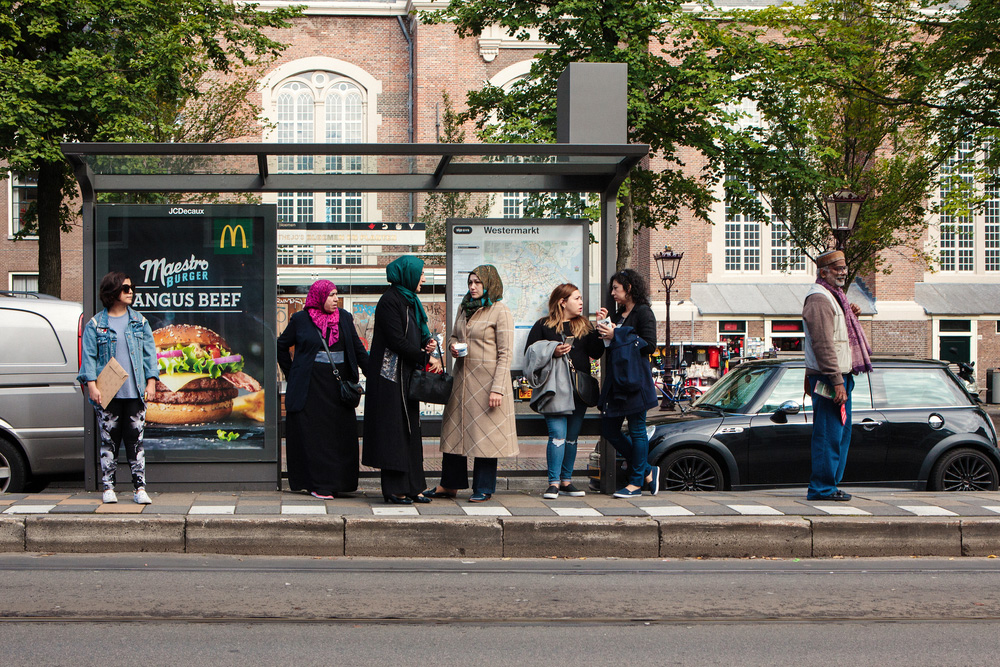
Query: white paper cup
462, 349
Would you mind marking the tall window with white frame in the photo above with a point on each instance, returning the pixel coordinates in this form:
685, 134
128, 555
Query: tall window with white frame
23, 193
319, 107
957, 227
742, 238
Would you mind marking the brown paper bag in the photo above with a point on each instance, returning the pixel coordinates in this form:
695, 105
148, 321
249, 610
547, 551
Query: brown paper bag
110, 381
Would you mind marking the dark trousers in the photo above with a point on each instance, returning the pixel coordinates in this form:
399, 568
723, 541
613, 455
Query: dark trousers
123, 421
408, 482
831, 439
455, 473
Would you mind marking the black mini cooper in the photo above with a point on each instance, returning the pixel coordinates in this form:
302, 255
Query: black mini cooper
914, 425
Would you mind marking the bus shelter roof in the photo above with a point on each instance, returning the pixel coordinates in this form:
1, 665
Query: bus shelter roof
270, 167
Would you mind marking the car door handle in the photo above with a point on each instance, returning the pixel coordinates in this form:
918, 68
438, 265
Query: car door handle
869, 424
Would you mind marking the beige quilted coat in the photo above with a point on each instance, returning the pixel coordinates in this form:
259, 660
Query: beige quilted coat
469, 426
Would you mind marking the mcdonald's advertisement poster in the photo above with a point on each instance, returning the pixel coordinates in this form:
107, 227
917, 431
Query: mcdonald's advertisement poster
204, 277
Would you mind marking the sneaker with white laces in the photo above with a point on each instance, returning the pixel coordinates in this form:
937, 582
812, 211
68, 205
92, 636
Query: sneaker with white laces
141, 497
551, 493
570, 490
109, 496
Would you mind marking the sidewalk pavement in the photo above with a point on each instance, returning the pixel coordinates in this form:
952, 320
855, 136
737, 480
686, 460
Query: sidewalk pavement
516, 523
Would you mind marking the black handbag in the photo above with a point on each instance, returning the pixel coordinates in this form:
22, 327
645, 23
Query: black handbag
431, 387
350, 392
585, 386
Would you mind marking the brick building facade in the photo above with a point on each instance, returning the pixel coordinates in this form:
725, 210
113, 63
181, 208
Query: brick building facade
365, 71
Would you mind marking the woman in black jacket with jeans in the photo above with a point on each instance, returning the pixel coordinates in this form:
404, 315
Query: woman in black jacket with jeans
631, 296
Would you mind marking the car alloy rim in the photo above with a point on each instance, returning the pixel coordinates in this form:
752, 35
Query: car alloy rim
690, 473
4, 473
968, 473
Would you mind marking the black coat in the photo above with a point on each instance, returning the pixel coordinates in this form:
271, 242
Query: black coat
392, 419
584, 349
642, 320
303, 333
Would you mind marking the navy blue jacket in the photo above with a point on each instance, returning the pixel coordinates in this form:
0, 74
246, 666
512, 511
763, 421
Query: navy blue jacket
304, 335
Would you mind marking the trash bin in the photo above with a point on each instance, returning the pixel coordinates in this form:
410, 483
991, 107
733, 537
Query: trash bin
993, 385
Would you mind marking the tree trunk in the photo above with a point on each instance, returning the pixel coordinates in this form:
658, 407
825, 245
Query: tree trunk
51, 176
626, 233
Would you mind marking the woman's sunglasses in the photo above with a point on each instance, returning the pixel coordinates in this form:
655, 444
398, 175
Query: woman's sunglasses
125, 288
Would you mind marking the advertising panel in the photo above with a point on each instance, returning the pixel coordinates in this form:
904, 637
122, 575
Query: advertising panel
532, 257
205, 280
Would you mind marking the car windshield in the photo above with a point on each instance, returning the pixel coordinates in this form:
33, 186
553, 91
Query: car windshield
736, 388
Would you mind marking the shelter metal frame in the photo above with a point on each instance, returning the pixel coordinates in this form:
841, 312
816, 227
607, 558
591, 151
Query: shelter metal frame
188, 168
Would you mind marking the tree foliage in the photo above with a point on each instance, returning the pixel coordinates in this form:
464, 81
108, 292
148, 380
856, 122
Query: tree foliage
675, 95
89, 70
859, 94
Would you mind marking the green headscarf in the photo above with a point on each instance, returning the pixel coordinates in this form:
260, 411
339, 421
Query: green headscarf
492, 289
404, 273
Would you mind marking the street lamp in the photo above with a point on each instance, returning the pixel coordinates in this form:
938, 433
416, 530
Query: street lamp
842, 209
667, 264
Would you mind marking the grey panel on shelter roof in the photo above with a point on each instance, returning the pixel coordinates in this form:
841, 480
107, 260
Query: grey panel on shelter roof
958, 299
767, 299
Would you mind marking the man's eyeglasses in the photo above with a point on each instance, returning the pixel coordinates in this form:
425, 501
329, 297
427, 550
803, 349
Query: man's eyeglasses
126, 288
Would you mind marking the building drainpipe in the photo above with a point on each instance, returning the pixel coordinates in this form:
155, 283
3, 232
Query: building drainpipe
409, 104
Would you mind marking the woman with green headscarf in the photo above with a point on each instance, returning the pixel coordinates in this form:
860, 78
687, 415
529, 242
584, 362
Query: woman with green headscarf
400, 343
478, 420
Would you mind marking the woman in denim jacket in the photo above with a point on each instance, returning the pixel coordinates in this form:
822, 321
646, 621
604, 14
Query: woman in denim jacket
122, 333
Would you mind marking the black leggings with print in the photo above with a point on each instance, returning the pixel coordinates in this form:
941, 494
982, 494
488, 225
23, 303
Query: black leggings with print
122, 421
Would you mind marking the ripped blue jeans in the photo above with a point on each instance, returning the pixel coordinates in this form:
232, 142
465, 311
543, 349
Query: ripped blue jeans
560, 453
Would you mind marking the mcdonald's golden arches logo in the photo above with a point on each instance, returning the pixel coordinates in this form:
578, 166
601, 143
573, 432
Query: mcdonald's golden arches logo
233, 236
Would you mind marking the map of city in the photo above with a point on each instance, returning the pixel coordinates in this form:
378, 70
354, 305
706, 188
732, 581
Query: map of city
531, 269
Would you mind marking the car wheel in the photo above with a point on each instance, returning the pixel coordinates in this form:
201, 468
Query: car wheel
964, 469
690, 470
13, 468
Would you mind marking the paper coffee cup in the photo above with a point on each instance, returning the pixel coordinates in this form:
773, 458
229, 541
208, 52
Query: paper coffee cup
462, 349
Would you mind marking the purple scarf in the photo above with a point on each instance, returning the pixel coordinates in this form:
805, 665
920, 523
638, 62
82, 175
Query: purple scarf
328, 323
861, 361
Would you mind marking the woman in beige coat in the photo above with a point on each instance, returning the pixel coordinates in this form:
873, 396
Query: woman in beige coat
479, 417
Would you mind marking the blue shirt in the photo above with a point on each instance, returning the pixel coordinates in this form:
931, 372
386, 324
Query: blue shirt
119, 324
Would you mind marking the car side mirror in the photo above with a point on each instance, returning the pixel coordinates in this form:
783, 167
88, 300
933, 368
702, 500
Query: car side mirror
789, 407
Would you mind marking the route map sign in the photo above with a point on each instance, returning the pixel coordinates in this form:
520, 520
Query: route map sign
532, 257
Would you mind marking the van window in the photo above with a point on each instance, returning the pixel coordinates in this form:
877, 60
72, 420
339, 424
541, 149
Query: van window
26, 339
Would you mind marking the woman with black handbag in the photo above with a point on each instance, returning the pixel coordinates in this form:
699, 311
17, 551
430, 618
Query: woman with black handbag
321, 436
576, 337
478, 419
401, 343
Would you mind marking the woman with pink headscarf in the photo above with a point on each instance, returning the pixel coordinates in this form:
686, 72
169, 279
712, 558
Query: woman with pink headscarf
321, 433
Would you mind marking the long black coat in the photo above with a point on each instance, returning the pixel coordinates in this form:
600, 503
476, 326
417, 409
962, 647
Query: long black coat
392, 420
643, 321
304, 335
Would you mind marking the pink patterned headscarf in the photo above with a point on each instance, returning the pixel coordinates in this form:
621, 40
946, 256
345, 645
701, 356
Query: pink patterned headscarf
328, 323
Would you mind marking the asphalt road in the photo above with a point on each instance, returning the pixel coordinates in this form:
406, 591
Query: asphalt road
176, 609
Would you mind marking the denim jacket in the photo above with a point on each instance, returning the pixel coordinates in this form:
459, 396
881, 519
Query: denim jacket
100, 343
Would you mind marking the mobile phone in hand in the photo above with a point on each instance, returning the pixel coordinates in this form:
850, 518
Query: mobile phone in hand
570, 340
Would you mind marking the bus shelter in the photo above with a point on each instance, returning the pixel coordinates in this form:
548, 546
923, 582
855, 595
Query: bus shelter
242, 238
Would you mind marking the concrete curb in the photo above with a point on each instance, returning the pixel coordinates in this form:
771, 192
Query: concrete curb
878, 537
736, 537
510, 537
11, 534
423, 537
266, 536
93, 534
981, 537
526, 537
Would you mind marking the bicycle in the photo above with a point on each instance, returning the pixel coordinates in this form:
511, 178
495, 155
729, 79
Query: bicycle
678, 392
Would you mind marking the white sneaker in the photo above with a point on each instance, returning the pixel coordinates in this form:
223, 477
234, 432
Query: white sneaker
109, 496
141, 497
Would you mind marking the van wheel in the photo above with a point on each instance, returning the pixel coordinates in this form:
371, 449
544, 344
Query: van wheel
964, 469
690, 470
13, 468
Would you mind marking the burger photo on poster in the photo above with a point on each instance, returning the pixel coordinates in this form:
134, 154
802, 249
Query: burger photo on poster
199, 378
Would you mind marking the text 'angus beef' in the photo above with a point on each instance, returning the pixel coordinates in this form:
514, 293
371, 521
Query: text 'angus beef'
199, 376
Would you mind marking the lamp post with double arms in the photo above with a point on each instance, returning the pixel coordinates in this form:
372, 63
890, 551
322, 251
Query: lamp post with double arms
667, 264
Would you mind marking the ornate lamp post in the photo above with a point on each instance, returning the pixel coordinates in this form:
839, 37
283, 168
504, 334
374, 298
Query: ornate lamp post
667, 264
842, 209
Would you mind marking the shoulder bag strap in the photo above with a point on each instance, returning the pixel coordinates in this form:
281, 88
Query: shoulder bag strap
326, 347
